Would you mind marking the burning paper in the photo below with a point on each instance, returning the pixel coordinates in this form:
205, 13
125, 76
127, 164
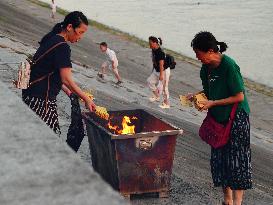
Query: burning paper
123, 128
102, 112
126, 127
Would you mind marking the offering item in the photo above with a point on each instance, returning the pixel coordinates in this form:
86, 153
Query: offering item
102, 112
185, 101
199, 98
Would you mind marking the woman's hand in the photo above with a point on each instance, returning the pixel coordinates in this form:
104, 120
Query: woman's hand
89, 104
66, 76
207, 104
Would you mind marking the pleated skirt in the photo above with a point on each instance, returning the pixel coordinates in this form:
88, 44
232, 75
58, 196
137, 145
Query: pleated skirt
231, 164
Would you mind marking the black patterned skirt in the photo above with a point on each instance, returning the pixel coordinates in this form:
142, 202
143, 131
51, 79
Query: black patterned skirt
231, 164
47, 113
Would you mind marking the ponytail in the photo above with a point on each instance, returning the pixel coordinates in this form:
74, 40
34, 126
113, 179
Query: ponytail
160, 42
204, 41
74, 18
223, 46
156, 40
55, 30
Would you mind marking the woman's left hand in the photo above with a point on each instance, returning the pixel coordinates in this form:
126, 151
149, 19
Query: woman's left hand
89, 104
207, 104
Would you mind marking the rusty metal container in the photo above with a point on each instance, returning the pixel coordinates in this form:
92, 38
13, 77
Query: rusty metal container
137, 163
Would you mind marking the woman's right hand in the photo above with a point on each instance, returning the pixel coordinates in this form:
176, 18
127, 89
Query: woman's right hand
190, 96
89, 104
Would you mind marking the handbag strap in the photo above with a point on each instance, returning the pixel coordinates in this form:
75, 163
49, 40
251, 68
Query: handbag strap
46, 76
233, 111
48, 51
40, 79
234, 107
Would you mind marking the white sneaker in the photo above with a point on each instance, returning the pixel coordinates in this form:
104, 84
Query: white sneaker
165, 106
154, 99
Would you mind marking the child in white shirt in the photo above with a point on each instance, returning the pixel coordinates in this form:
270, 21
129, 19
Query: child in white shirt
111, 62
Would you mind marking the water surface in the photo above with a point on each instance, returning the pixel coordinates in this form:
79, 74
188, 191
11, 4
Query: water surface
245, 25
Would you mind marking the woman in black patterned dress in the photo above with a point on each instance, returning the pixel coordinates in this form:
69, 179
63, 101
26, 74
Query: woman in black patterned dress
223, 85
53, 71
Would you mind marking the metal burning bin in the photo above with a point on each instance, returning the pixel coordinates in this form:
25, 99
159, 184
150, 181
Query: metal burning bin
137, 163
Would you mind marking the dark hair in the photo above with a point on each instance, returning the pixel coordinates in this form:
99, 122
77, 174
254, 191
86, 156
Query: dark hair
75, 18
156, 40
204, 41
103, 44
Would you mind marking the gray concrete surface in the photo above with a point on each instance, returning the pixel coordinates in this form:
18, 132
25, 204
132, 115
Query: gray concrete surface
191, 180
28, 22
36, 167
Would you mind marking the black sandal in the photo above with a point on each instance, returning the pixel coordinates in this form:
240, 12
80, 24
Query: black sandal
119, 83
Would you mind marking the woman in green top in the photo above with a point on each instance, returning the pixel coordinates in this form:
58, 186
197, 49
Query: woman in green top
223, 85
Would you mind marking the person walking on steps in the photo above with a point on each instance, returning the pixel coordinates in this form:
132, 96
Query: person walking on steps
158, 81
111, 63
52, 70
53, 9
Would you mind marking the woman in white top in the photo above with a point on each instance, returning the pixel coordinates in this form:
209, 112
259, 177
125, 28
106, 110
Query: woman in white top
111, 62
158, 81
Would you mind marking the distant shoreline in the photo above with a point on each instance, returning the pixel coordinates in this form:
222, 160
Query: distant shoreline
253, 85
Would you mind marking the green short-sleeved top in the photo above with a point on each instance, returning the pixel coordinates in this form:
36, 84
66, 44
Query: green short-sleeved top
225, 81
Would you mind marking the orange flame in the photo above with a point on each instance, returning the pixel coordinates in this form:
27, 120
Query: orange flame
126, 128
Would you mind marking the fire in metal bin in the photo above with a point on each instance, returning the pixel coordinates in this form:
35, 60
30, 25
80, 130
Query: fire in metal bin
133, 151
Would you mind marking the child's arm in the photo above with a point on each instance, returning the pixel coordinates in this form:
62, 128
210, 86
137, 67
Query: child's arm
113, 64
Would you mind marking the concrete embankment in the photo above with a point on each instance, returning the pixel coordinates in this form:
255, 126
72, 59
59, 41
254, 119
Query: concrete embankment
37, 167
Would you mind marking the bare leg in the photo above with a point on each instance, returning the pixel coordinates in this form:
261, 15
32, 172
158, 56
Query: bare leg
166, 87
53, 16
152, 81
102, 71
115, 71
238, 197
228, 199
156, 94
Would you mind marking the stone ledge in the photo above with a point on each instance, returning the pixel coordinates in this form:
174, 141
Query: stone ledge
37, 167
